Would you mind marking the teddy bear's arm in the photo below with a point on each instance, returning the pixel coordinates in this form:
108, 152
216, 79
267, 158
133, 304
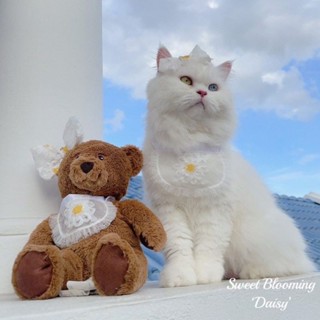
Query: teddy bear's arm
144, 223
41, 235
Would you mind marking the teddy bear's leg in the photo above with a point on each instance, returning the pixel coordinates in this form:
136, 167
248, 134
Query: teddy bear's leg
40, 272
117, 268
72, 265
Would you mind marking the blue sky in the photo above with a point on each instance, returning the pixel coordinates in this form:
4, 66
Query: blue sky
275, 80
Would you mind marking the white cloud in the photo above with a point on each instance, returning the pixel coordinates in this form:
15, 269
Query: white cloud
262, 36
115, 123
281, 92
309, 158
213, 4
274, 78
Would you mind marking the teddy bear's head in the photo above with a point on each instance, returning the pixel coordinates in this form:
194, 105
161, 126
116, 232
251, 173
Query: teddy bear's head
98, 168
94, 167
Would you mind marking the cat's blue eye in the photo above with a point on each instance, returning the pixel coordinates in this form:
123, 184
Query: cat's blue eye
187, 80
213, 87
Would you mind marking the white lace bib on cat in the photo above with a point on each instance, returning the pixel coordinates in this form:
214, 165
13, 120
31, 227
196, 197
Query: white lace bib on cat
79, 217
192, 172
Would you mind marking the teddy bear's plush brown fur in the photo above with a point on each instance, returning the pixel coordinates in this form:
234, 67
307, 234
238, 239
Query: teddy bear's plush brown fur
112, 257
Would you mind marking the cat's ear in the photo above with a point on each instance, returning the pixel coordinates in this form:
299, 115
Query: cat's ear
163, 53
224, 69
197, 52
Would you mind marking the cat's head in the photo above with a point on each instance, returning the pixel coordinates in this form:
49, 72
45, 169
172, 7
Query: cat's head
188, 99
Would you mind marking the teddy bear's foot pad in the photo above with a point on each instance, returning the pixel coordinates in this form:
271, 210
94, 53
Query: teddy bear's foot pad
33, 274
110, 269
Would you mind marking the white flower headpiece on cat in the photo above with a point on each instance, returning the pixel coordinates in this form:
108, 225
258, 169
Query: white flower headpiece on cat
166, 62
47, 158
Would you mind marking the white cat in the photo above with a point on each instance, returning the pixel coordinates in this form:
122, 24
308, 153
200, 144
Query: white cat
219, 217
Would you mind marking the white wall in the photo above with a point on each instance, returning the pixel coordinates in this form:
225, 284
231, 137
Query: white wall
50, 69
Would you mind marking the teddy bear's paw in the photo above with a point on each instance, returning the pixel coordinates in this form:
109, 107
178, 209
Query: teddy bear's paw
178, 275
33, 274
110, 268
38, 274
209, 271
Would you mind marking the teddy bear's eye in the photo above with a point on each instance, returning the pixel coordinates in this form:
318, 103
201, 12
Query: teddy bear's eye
77, 155
101, 156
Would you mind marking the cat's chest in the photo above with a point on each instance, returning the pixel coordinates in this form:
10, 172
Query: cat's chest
190, 172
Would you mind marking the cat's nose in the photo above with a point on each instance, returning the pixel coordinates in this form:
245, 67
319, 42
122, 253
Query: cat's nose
202, 93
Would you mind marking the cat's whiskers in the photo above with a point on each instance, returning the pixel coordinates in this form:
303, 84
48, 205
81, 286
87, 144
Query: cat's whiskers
190, 102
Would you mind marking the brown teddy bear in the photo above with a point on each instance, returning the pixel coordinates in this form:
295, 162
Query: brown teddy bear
95, 235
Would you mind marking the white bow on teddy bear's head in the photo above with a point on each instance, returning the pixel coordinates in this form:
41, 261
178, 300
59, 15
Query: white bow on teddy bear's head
47, 158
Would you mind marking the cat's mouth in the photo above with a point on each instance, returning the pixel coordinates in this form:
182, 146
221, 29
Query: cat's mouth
196, 104
199, 104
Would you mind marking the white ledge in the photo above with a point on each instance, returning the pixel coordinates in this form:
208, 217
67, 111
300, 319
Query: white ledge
315, 197
216, 301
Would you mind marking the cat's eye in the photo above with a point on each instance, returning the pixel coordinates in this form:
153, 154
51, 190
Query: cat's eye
187, 80
213, 87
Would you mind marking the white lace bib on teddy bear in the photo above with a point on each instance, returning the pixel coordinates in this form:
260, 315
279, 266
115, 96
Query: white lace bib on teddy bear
79, 217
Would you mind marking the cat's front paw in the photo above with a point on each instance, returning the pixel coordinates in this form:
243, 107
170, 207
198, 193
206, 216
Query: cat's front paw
209, 271
178, 275
253, 272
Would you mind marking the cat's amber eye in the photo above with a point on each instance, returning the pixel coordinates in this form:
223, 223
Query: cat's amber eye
187, 80
213, 87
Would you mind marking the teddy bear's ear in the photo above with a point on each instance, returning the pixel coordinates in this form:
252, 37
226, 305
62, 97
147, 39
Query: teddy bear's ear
136, 158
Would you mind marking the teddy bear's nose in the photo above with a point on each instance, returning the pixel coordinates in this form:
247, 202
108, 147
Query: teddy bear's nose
86, 166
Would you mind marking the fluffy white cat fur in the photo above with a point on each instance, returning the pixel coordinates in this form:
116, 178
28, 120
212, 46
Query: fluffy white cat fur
220, 219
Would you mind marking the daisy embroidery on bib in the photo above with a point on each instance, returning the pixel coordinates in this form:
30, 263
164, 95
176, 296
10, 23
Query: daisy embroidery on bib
79, 212
190, 173
190, 169
79, 217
